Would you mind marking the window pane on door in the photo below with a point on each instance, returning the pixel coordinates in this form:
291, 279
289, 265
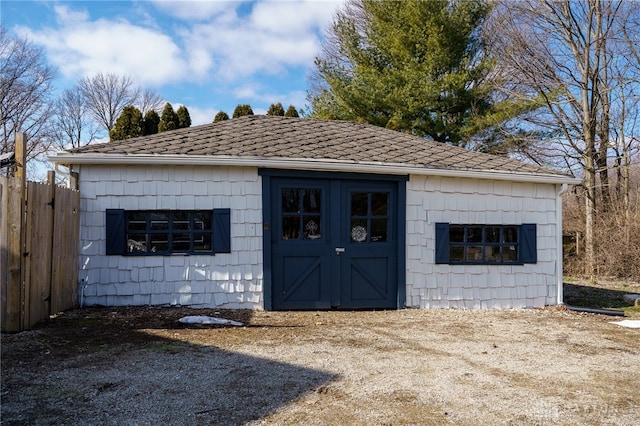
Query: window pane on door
290, 227
312, 228
379, 203
359, 230
378, 230
311, 200
290, 200
359, 204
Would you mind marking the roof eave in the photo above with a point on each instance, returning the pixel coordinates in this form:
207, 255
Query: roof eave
64, 158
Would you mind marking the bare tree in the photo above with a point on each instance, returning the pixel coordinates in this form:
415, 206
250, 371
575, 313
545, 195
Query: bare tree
25, 94
562, 53
106, 95
72, 124
149, 100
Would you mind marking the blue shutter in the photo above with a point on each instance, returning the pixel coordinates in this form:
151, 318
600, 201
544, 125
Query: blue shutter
221, 230
442, 243
115, 231
528, 243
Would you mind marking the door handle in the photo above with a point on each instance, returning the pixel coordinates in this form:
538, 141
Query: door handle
339, 250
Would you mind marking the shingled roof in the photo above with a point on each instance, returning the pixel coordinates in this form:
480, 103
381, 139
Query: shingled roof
267, 138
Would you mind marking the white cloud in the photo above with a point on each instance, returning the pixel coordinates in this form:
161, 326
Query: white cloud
272, 37
196, 10
232, 48
80, 47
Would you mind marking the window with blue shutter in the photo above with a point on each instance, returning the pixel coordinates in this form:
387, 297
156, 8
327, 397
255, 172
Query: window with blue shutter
468, 244
164, 232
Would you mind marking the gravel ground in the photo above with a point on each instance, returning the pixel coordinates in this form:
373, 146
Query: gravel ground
140, 366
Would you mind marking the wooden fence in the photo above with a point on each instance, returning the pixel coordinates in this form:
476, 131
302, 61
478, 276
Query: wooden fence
39, 234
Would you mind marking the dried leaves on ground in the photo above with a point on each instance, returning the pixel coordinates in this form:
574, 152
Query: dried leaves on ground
140, 366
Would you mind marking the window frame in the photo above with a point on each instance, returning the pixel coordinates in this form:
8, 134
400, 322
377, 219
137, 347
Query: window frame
526, 245
118, 230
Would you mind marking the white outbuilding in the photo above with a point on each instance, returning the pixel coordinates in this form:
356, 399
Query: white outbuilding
278, 213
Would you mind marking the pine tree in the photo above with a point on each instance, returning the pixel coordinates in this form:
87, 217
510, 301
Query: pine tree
168, 120
128, 125
276, 109
221, 116
151, 122
184, 120
415, 66
242, 110
291, 112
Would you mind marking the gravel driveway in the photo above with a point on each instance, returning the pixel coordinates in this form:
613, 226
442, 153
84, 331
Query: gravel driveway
140, 366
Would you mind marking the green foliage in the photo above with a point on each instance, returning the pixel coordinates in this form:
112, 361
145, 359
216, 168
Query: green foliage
184, 120
242, 110
128, 125
221, 116
169, 120
415, 66
291, 112
276, 109
151, 122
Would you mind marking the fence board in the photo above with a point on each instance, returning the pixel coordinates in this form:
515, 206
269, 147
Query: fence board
4, 242
39, 225
64, 272
12, 286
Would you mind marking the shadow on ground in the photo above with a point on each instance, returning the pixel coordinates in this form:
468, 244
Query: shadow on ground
100, 366
594, 297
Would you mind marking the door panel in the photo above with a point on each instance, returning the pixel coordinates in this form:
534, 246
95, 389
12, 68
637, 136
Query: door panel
300, 245
369, 263
333, 244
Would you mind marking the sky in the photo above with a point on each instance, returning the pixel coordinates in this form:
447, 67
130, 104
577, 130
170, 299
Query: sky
207, 55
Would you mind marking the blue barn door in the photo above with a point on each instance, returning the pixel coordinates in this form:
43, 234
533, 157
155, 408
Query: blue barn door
333, 244
368, 263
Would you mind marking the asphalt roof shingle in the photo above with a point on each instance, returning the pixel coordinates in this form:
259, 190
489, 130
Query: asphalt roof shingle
274, 137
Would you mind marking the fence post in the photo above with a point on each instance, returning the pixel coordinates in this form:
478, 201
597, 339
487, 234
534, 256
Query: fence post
14, 310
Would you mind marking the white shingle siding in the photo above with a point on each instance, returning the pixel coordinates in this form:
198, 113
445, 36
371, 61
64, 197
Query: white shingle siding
226, 280
432, 199
235, 280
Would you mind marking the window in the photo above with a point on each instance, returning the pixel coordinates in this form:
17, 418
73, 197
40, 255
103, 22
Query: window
485, 244
369, 217
301, 213
163, 232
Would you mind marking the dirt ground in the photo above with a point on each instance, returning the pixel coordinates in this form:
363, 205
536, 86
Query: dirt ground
140, 366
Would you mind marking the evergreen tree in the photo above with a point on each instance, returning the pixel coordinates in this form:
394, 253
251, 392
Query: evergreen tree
169, 119
276, 109
291, 112
184, 120
128, 125
242, 110
221, 116
151, 122
415, 66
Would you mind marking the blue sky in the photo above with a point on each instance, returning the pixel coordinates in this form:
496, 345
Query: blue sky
207, 55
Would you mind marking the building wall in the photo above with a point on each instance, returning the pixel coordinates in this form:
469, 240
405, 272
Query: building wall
226, 280
433, 199
235, 280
